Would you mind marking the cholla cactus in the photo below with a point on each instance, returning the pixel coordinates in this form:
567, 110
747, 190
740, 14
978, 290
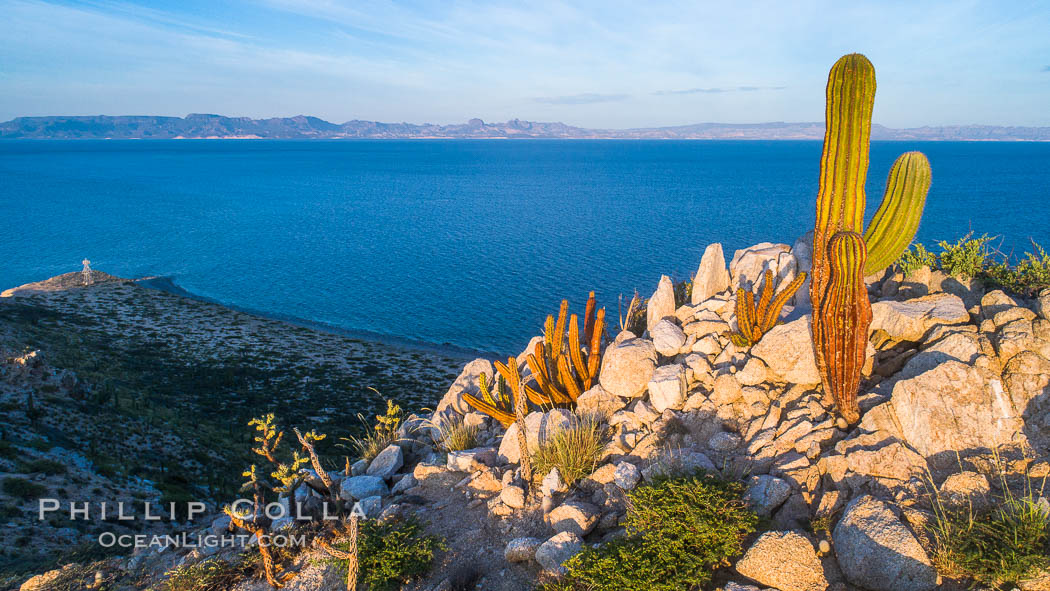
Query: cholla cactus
287, 477
268, 438
349, 555
841, 258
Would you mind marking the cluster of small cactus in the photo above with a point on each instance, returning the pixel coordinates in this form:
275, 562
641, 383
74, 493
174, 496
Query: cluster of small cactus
755, 321
560, 368
842, 257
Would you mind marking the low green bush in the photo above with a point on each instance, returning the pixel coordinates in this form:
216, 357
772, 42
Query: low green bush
967, 257
971, 257
23, 489
679, 530
390, 553
915, 258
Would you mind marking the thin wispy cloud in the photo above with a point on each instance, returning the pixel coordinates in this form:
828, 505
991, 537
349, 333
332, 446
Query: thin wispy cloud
447, 62
718, 90
586, 98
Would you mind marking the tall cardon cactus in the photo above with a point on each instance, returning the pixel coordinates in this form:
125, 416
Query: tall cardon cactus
843, 252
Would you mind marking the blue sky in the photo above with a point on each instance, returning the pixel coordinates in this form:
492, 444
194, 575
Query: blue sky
597, 64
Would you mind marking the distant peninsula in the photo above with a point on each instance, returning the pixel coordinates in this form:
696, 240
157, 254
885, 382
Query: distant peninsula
202, 126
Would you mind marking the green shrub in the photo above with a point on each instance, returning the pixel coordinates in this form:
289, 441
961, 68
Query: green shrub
915, 258
678, 531
1003, 544
973, 257
966, 257
574, 451
23, 489
43, 466
391, 553
1030, 275
208, 575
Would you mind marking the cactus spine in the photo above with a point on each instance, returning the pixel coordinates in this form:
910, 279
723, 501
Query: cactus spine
841, 257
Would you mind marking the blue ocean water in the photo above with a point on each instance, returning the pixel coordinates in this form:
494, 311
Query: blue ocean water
470, 243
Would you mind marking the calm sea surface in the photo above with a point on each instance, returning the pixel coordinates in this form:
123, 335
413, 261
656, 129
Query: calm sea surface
470, 243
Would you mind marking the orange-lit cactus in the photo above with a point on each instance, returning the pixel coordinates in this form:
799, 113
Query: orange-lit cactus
561, 369
753, 322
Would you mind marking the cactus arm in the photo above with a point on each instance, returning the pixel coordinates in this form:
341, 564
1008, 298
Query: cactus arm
897, 219
572, 389
773, 311
538, 398
575, 354
548, 333
505, 418
540, 372
483, 386
846, 315
743, 321
752, 326
765, 298
559, 331
594, 349
588, 318
504, 370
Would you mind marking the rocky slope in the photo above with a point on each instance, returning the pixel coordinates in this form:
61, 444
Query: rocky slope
111, 392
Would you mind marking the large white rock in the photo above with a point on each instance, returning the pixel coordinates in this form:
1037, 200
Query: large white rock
668, 339
951, 408
599, 402
362, 487
553, 553
626, 475
538, 427
877, 552
1042, 304
787, 350
750, 264
627, 366
766, 493
802, 250
785, 560
466, 382
521, 549
667, 387
712, 277
911, 319
387, 463
574, 516
661, 304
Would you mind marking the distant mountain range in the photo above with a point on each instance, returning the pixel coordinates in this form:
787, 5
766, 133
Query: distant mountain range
197, 126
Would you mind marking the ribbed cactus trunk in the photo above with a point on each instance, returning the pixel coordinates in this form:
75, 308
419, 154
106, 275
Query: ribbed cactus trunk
845, 315
840, 207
